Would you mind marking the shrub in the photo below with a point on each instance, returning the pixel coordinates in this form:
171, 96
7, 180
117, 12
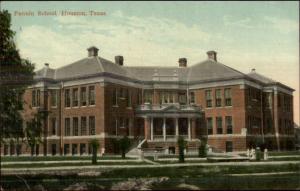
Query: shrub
202, 151
124, 145
95, 145
181, 145
258, 154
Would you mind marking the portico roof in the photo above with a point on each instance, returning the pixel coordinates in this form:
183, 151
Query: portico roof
168, 110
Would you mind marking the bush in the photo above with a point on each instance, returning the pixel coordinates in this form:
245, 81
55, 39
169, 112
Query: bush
181, 145
124, 145
258, 154
202, 151
95, 145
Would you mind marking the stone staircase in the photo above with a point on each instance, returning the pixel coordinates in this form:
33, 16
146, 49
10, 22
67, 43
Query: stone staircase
135, 151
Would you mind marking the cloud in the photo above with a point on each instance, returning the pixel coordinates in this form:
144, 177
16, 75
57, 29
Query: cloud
243, 23
282, 25
142, 41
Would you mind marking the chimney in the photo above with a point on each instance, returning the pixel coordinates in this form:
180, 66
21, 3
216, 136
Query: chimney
119, 60
47, 65
212, 55
253, 70
182, 62
92, 51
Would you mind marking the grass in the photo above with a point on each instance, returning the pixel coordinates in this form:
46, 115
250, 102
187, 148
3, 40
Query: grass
57, 158
33, 165
195, 171
284, 153
205, 177
218, 182
296, 158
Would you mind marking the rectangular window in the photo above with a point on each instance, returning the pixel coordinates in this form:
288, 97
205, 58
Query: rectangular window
182, 98
74, 149
138, 95
128, 126
53, 126
218, 98
228, 97
192, 97
75, 126
269, 100
121, 94
83, 96
53, 98
83, 126
38, 98
33, 98
67, 98
209, 126
92, 125
269, 124
208, 98
66, 149
115, 97
53, 148
82, 148
147, 96
279, 100
128, 97
67, 127
219, 125
228, 120
122, 122
75, 97
91, 95
5, 149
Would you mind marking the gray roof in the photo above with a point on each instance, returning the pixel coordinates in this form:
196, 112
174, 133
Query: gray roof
261, 78
45, 72
208, 70
212, 70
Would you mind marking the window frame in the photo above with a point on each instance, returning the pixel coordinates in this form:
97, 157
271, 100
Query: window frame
208, 98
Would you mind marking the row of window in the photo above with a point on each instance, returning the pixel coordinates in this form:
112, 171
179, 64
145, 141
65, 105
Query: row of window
285, 126
218, 98
121, 93
35, 98
219, 125
12, 149
83, 149
120, 123
287, 102
254, 122
82, 129
254, 95
86, 98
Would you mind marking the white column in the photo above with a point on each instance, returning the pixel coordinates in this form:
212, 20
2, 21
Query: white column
189, 128
164, 129
176, 130
151, 129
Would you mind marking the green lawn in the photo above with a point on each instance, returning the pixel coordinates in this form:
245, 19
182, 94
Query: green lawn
57, 158
204, 177
284, 153
34, 165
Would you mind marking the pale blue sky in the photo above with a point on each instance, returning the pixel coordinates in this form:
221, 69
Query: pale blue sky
246, 35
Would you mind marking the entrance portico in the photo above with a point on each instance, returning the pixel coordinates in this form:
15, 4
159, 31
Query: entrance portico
167, 123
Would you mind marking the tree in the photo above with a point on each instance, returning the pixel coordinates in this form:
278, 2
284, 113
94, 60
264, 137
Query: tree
15, 74
202, 152
34, 131
124, 145
181, 145
95, 145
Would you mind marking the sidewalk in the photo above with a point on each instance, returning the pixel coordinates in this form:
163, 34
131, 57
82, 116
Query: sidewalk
7, 171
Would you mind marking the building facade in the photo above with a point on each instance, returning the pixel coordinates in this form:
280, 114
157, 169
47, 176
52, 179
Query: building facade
95, 98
